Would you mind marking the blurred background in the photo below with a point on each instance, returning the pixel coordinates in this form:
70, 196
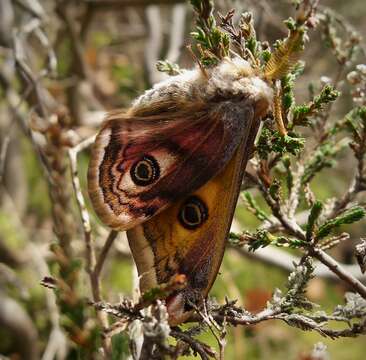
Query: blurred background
106, 54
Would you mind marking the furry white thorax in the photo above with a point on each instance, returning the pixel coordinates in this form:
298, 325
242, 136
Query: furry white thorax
229, 78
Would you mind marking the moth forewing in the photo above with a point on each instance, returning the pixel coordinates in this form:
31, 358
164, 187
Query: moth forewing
141, 165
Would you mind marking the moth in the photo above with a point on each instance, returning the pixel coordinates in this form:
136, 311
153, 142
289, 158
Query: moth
169, 170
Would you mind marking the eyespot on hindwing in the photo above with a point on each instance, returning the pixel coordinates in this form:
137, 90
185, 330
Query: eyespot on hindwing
193, 213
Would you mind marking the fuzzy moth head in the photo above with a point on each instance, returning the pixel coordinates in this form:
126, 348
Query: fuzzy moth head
232, 79
235, 78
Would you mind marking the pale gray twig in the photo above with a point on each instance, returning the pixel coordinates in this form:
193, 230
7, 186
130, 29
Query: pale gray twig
92, 269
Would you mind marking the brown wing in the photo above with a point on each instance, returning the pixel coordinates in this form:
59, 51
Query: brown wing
189, 238
142, 164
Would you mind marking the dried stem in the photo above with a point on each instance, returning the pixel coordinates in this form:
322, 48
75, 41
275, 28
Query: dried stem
328, 261
94, 267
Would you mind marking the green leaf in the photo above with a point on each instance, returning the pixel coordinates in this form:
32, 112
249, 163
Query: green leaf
290, 23
214, 42
313, 217
327, 94
347, 217
271, 140
301, 112
266, 55
253, 206
289, 143
168, 67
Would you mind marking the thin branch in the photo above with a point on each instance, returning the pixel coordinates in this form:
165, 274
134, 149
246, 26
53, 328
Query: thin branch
21, 116
339, 271
197, 346
237, 316
291, 226
57, 343
29, 77
33, 7
104, 252
284, 260
90, 251
90, 254
3, 153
